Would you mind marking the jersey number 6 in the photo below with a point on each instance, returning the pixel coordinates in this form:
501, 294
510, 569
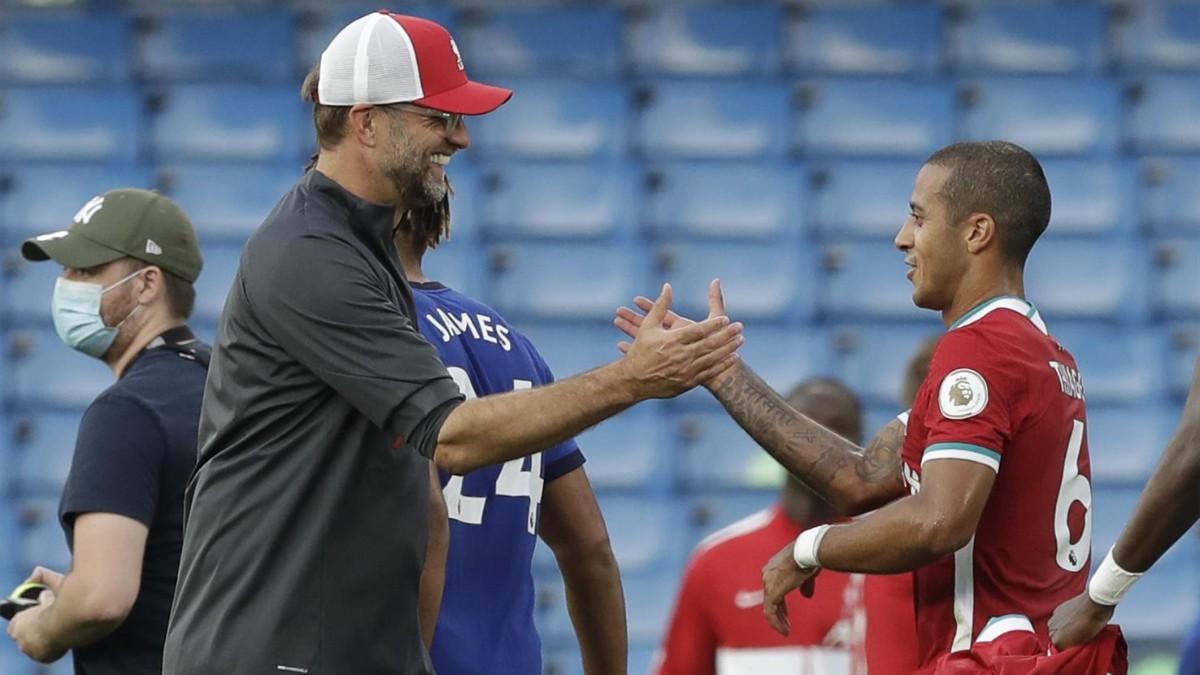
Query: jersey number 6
513, 481
1072, 556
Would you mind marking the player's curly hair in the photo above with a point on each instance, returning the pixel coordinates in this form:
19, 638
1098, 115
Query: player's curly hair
429, 224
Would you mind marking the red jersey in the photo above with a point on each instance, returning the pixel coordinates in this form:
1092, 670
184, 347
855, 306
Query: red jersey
1005, 394
718, 627
1010, 647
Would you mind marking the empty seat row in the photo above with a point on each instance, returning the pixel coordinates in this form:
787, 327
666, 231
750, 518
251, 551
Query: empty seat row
571, 119
730, 40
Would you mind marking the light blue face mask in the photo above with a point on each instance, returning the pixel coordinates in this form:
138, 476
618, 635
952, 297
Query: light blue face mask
76, 309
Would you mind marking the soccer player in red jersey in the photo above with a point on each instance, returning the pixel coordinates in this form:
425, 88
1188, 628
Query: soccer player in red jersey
717, 628
984, 488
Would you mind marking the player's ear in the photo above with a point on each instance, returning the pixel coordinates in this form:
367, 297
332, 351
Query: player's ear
979, 232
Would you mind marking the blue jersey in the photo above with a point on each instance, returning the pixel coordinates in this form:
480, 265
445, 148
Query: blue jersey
486, 622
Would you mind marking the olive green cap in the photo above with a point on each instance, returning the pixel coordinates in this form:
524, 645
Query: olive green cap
125, 222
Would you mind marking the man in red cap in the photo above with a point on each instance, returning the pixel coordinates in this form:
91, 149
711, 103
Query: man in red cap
308, 512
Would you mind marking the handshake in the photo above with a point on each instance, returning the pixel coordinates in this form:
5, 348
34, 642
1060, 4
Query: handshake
671, 354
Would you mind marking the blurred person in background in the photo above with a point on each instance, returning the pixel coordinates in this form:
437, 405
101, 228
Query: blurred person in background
1168, 508
717, 626
496, 513
887, 639
1001, 391
308, 512
130, 259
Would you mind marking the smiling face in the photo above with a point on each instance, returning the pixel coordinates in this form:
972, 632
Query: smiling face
933, 246
415, 153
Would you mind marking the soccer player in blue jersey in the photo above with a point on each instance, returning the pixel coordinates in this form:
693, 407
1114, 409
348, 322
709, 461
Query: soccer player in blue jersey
486, 620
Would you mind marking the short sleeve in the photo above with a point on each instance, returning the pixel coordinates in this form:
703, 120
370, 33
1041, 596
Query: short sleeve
323, 303
565, 457
118, 462
968, 410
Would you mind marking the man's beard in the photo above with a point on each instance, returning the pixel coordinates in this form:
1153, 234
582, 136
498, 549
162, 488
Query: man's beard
413, 177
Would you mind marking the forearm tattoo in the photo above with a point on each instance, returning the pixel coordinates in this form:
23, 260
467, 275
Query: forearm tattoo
812, 453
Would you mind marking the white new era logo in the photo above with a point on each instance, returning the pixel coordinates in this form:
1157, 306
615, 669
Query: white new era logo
89, 209
153, 248
52, 236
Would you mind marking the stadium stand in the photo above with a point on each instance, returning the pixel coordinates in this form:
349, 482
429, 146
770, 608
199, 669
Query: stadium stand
772, 144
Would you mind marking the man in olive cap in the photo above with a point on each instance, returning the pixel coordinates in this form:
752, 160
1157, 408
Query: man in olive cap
129, 260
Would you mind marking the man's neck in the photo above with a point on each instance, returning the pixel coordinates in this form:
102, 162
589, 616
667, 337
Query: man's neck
411, 253
356, 177
154, 327
983, 286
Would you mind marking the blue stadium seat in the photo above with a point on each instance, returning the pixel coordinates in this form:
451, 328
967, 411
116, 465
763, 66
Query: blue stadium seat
44, 197
205, 45
1091, 197
875, 358
1088, 278
570, 41
646, 532
28, 289
322, 21
732, 41
566, 281
70, 123
784, 355
1126, 443
551, 199
570, 348
900, 40
1177, 292
1170, 195
227, 201
43, 371
714, 453
457, 264
862, 198
1182, 354
1157, 37
1049, 39
466, 206
874, 118
215, 280
1120, 367
237, 122
564, 661
1048, 116
47, 49
43, 542
649, 601
1163, 113
630, 452
725, 200
556, 119
47, 443
759, 280
711, 511
713, 119
867, 280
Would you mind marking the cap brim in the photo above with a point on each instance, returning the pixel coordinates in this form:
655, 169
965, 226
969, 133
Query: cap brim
472, 98
70, 250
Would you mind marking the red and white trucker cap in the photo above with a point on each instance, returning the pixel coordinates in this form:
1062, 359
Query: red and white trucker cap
387, 58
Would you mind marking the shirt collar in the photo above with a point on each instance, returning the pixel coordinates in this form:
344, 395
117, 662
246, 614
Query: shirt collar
371, 219
1009, 302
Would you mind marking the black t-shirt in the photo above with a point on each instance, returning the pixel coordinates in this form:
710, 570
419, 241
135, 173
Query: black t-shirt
134, 453
307, 514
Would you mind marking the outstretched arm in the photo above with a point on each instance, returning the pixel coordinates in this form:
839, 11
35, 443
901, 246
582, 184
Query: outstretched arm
1169, 506
851, 478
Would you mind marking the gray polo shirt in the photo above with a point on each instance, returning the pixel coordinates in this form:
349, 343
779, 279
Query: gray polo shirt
306, 517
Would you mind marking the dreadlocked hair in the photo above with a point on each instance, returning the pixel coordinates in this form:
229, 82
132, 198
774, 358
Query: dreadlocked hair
429, 224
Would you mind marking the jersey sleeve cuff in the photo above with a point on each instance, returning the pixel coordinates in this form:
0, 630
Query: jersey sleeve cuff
971, 453
563, 466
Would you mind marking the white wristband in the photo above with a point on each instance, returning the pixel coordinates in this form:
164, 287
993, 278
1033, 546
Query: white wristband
805, 550
1110, 583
